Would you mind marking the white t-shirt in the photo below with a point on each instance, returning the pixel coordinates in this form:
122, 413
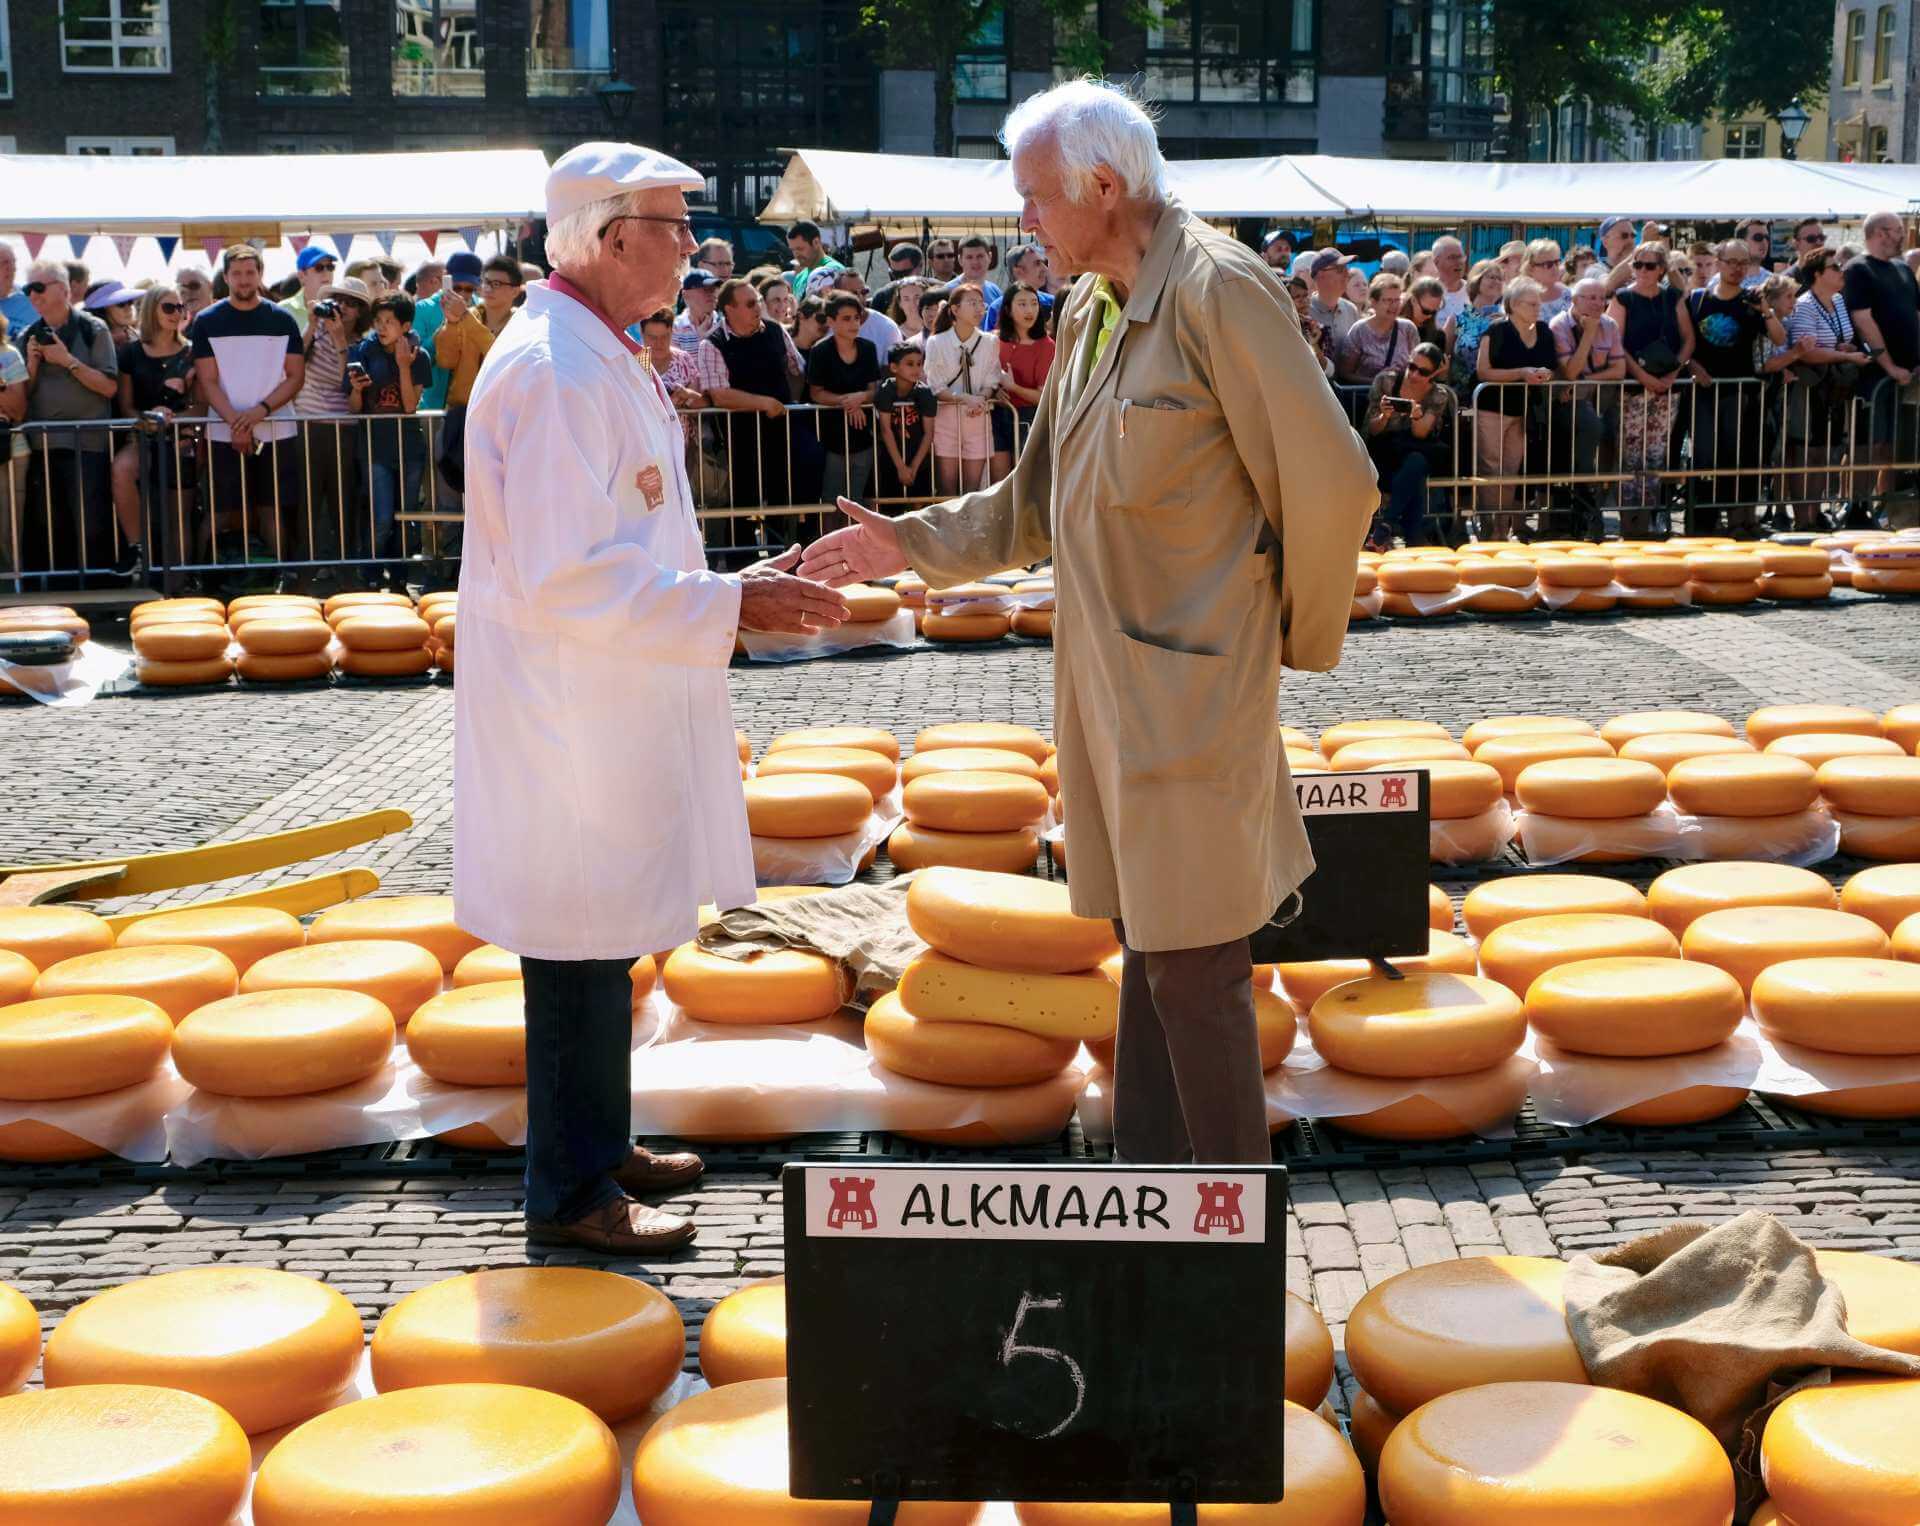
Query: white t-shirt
1452, 304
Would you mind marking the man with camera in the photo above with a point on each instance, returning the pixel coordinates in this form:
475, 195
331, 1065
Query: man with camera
72, 375
1726, 395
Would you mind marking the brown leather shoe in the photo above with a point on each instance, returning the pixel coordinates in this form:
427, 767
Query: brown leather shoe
646, 1172
622, 1228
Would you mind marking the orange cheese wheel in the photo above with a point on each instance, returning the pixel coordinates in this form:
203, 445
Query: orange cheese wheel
175, 977
1894, 838
1533, 1452
1680, 895
993, 760
245, 934
1009, 1115
868, 606
267, 606
473, 1035
1656, 598
875, 770
964, 593
1690, 1104
1496, 726
1742, 784
473, 1136
426, 920
1470, 839
1663, 749
868, 738
968, 801
1793, 561
1050, 775
381, 630
280, 670
1369, 1424
489, 962
721, 1455
1309, 1347
1519, 953
1365, 581
168, 675
1307, 982
38, 1143
1760, 837
1478, 1103
269, 1347
1635, 1007
960, 1054
19, 1340
1416, 577
1902, 723
1427, 1024
284, 635
1488, 572
806, 805
1456, 790
1646, 722
1454, 1325
645, 971
1439, 910
610, 1343
1898, 1099
780, 986
1820, 747
79, 1046
1302, 760
942, 990
1395, 752
1511, 755
1745, 940
991, 734
1871, 786
1887, 894
1887, 579
283, 1043
1725, 593
1361, 609
1724, 566
1573, 571
912, 847
1348, 732
489, 1454
1503, 601
1620, 840
1591, 601
1647, 572
745, 1334
398, 975
1882, 1295
1845, 1005
1844, 1452
120, 1455
1005, 921
358, 598
1772, 722
1590, 789
1517, 896
959, 628
17, 975
1783, 585
181, 643
189, 604
363, 663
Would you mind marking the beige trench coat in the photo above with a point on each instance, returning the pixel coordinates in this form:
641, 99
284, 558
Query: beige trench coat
1150, 481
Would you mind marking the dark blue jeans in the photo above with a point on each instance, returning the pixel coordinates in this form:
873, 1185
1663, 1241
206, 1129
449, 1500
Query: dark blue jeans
579, 1035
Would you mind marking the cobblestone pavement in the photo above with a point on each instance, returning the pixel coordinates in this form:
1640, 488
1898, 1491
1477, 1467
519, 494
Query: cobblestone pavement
144, 773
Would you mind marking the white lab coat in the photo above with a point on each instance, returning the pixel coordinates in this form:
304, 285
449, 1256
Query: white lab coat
596, 789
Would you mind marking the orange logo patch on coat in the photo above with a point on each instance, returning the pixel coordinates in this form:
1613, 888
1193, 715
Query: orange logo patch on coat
652, 486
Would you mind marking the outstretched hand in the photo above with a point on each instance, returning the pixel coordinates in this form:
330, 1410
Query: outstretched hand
773, 599
867, 548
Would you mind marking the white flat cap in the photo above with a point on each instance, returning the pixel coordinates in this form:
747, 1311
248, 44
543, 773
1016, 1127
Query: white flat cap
594, 171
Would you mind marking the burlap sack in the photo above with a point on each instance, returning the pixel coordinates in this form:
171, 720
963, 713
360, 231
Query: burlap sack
863, 926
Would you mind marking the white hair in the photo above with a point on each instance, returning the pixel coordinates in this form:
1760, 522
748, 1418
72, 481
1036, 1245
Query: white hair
41, 268
1589, 283
1448, 242
574, 240
1093, 123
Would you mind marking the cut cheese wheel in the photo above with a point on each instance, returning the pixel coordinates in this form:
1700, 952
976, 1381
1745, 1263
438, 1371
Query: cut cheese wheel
1637, 723
270, 1348
867, 606
1456, 790
1845, 1005
19, 1340
780, 986
1898, 1099
1902, 723
1573, 571
119, 1455
34, 1142
1520, 1454
1887, 894
283, 1043
280, 670
868, 738
1844, 1452
1306, 983
488, 1454
1519, 953
245, 934
1743, 784
1396, 752
977, 627
1793, 561
1510, 755
1496, 726
17, 975
488, 963
385, 664
285, 636
79, 1046
426, 920
1005, 921
1663, 749
175, 977
1783, 585
1745, 940
1882, 1296
1405, 577
473, 1036
938, 989
1690, 1104
1369, 1424
1894, 838
1426, 1024
1872, 786
358, 598
1439, 910
806, 805
1309, 1350
721, 1456
1349, 732
1772, 722
181, 643
1590, 789
608, 1342
744, 1338
170, 675
1820, 747
875, 770
913, 847
1680, 895
1517, 896
1635, 1007
1650, 572
1458, 1324
397, 975
960, 1054
968, 801
988, 734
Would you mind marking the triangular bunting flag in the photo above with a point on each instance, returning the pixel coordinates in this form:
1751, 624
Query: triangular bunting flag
212, 247
168, 242
298, 240
385, 238
471, 236
34, 242
342, 247
429, 238
123, 245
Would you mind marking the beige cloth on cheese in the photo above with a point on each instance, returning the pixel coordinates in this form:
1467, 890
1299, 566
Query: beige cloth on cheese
1721, 1321
863, 926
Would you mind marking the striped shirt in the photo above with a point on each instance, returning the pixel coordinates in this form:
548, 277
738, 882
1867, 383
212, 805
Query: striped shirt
1830, 330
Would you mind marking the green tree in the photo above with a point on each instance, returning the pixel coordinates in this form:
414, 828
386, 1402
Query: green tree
1545, 54
1758, 55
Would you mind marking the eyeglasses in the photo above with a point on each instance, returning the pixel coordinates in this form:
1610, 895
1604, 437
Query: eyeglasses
34, 288
1815, 237
464, 288
684, 224
322, 265
494, 283
1759, 238
170, 308
1646, 265
1422, 371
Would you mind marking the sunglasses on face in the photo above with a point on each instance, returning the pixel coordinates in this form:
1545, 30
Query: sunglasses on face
322, 265
170, 308
1422, 371
1759, 238
1646, 264
464, 289
34, 288
1813, 238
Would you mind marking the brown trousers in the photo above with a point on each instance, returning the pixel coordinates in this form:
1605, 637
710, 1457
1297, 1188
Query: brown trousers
1186, 1071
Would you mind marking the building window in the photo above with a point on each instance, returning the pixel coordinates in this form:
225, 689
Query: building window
121, 147
1440, 69
1877, 145
114, 37
1882, 46
569, 50
977, 148
6, 57
1232, 50
1856, 43
303, 50
1746, 140
436, 48
980, 72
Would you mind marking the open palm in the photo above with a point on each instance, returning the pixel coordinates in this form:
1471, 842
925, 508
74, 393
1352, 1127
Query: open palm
867, 548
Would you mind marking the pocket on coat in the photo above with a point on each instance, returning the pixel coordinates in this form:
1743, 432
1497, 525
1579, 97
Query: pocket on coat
1171, 710
1150, 457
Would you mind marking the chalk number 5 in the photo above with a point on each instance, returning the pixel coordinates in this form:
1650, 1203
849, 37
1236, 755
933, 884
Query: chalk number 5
1013, 1347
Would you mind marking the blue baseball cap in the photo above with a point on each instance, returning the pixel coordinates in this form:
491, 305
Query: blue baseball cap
465, 266
697, 277
312, 255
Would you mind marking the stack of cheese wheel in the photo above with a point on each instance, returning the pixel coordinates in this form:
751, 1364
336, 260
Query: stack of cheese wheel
380, 636
1515, 897
1681, 896
1888, 566
973, 748
1663, 749
1795, 572
19, 1340
1577, 584
806, 806
1469, 819
438, 609
1876, 801
426, 920
781, 986
283, 638
270, 1348
283, 1043
875, 770
1745, 940
1518, 952
398, 975
1642, 1009
1405, 575
44, 617
1651, 581
1034, 617
176, 977
745, 1334
1009, 989
1506, 585
1366, 593
948, 619
1305, 983
1771, 722
1514, 752
1849, 1005
1756, 806
1724, 577
913, 595
1591, 809
1622, 729
868, 607
245, 934
181, 641
56, 1048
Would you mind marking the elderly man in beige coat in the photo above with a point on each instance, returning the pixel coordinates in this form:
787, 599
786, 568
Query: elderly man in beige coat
1204, 499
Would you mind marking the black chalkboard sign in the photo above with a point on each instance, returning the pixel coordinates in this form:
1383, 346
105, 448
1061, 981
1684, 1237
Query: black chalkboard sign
983, 1332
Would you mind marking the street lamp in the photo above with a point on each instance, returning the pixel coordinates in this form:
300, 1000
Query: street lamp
1793, 122
616, 99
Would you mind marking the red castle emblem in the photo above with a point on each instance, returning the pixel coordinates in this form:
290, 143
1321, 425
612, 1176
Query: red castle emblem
852, 1205
1219, 1208
1393, 791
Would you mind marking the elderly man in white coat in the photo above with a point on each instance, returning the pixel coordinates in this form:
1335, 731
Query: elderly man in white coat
596, 789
